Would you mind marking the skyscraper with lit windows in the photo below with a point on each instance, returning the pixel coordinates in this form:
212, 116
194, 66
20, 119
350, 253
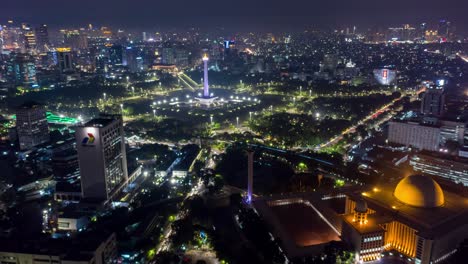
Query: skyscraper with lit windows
22, 69
42, 38
101, 156
31, 125
433, 101
30, 41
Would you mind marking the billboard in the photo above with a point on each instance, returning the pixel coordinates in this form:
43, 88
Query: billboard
385, 76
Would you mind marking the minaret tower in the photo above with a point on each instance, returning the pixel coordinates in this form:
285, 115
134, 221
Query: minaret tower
360, 212
250, 155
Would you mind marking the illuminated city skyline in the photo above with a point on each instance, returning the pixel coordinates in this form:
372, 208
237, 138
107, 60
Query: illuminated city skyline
238, 15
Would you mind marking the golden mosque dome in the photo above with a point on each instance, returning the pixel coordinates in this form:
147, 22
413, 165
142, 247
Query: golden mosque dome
419, 191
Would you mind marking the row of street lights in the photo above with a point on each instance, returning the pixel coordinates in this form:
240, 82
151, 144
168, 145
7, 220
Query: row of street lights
237, 119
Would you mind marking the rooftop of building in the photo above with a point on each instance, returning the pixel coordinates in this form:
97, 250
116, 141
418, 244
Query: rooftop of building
65, 154
79, 248
67, 187
30, 105
440, 155
372, 225
430, 220
72, 211
431, 121
99, 122
302, 230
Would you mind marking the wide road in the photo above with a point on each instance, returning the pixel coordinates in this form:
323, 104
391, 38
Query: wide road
352, 129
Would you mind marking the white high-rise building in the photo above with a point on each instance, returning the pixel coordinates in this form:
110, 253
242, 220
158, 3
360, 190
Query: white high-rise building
101, 156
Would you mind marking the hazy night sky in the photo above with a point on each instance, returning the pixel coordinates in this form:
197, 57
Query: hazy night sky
237, 15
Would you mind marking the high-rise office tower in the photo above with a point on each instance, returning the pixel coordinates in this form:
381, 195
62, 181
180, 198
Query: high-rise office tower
422, 31
101, 156
181, 57
30, 41
31, 124
64, 60
75, 39
23, 69
444, 29
433, 101
116, 55
42, 38
133, 59
168, 56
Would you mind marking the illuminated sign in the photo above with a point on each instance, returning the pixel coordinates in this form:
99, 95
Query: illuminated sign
88, 140
63, 49
385, 74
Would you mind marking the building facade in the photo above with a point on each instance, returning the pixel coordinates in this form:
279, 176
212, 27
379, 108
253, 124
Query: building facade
31, 125
414, 219
42, 36
64, 60
23, 70
98, 250
433, 136
414, 135
433, 102
101, 156
453, 169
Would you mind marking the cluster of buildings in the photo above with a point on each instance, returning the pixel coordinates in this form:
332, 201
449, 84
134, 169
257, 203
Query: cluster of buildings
441, 32
97, 249
89, 173
98, 148
33, 57
440, 142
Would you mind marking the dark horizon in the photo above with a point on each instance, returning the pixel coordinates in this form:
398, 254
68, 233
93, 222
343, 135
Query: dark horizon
244, 15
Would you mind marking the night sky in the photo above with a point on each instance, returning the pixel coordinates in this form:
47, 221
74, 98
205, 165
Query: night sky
235, 14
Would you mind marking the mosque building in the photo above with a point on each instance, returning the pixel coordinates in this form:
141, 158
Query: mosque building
415, 220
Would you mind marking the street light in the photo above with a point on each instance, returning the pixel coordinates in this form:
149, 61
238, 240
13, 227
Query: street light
133, 89
250, 116
121, 108
211, 119
300, 90
104, 94
310, 92
237, 121
154, 112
